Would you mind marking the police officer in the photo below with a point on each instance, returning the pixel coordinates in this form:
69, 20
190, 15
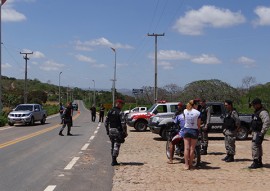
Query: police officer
231, 123
259, 125
116, 129
67, 120
205, 118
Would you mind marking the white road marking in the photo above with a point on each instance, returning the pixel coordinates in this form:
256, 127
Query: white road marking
95, 132
91, 138
85, 146
50, 188
5, 128
72, 163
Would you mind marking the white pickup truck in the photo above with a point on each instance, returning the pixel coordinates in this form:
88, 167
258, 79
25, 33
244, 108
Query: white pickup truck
27, 114
135, 109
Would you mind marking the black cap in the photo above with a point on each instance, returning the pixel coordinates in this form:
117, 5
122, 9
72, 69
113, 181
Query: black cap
256, 101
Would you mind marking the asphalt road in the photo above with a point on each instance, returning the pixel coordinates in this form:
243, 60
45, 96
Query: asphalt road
37, 158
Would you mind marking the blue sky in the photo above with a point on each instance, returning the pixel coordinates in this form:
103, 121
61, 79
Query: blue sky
226, 40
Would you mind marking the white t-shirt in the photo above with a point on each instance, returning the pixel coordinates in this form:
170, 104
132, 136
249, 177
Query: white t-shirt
191, 118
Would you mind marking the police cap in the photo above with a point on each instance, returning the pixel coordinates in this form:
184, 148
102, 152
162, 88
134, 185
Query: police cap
119, 101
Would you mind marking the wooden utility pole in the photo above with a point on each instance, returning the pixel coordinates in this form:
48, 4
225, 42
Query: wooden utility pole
155, 88
25, 76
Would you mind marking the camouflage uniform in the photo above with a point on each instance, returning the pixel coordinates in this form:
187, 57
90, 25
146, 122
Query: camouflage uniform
231, 123
205, 119
116, 129
260, 124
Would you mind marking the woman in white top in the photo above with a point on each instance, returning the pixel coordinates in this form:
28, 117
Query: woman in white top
191, 131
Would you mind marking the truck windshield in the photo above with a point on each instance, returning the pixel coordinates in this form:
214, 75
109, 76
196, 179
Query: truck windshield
152, 108
24, 108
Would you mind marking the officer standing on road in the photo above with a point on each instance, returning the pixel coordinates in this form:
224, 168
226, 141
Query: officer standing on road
205, 118
67, 117
259, 125
116, 129
61, 110
231, 123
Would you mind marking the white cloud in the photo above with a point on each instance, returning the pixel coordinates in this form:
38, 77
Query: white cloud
264, 16
9, 14
100, 42
165, 65
83, 58
247, 62
195, 21
38, 54
6, 65
172, 55
205, 59
51, 66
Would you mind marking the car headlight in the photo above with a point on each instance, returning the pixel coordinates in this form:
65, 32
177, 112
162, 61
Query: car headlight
25, 115
155, 119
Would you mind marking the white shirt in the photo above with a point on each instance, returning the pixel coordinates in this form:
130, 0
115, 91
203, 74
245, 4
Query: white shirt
191, 118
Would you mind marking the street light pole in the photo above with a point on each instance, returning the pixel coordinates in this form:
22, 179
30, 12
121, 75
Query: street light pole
114, 77
94, 92
59, 88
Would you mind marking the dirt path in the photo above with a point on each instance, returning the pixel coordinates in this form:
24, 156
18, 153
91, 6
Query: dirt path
144, 167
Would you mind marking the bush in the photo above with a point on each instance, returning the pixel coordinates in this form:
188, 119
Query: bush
3, 121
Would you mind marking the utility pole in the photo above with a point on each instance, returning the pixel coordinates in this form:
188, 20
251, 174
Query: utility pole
155, 88
25, 77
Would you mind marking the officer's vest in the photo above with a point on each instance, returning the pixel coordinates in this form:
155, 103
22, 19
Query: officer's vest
203, 114
256, 122
229, 122
114, 118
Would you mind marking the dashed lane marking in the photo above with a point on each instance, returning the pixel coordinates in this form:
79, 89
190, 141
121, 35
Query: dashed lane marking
72, 163
50, 188
85, 146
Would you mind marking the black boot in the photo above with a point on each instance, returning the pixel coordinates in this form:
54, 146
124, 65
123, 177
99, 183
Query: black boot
260, 162
114, 161
60, 133
226, 157
204, 150
255, 164
230, 158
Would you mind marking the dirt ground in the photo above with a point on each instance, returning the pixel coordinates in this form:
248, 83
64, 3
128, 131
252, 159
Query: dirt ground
144, 167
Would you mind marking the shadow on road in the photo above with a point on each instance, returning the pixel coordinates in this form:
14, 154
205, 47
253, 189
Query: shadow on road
131, 163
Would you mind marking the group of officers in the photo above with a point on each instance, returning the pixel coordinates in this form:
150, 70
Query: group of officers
117, 130
259, 125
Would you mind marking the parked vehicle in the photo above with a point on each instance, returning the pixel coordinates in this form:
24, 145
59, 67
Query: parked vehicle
27, 114
159, 124
179, 148
135, 109
139, 120
75, 106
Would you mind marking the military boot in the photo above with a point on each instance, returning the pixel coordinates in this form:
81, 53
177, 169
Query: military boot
225, 158
114, 161
60, 133
260, 161
255, 164
230, 158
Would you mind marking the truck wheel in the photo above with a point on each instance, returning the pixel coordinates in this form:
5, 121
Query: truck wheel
165, 134
10, 124
242, 133
43, 120
141, 126
32, 121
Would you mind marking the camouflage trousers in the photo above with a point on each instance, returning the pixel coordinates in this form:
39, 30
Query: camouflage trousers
257, 150
115, 148
204, 138
230, 137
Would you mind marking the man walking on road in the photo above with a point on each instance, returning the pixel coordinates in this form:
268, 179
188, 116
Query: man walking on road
67, 118
116, 129
259, 125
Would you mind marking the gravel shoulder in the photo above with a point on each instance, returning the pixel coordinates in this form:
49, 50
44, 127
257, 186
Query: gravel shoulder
144, 167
